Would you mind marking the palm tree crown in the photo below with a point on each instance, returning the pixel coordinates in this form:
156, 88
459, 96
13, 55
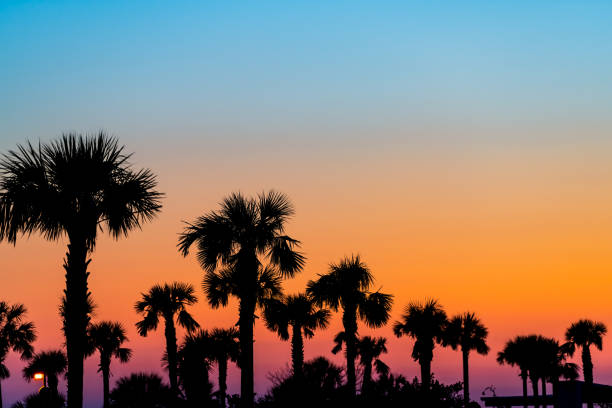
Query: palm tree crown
74, 187
52, 363
425, 323
347, 286
369, 350
299, 312
15, 334
233, 245
169, 302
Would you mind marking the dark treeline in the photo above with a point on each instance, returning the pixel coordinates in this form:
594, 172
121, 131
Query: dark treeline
79, 186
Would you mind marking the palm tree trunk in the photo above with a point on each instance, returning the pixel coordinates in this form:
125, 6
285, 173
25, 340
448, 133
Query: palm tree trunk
53, 383
534, 386
105, 365
297, 353
0, 394
222, 365
246, 322
349, 319
425, 374
466, 377
587, 369
76, 309
544, 390
524, 378
367, 378
171, 351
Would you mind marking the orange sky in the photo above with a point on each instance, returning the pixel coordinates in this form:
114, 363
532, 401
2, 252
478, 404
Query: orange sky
520, 236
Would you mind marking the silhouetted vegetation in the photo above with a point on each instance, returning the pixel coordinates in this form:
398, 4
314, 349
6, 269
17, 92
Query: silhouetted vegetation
51, 363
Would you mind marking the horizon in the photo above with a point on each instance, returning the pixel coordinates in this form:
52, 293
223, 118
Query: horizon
462, 150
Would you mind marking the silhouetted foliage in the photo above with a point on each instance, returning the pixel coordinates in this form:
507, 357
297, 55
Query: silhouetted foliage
141, 390
107, 338
46, 398
425, 323
16, 335
584, 334
73, 187
51, 363
231, 246
299, 312
193, 367
222, 345
347, 286
467, 333
169, 302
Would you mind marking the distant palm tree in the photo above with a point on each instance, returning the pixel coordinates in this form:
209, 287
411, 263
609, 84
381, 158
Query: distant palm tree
231, 246
222, 346
369, 350
193, 367
169, 302
425, 323
51, 363
142, 390
107, 338
73, 187
519, 352
15, 334
347, 286
466, 332
549, 362
299, 312
586, 333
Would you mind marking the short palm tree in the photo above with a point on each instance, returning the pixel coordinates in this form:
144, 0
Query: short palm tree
107, 338
51, 363
222, 345
142, 390
168, 302
466, 332
15, 335
347, 286
73, 187
233, 245
584, 334
519, 352
425, 323
369, 350
299, 312
193, 367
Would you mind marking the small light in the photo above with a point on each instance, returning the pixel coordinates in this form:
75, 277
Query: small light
39, 376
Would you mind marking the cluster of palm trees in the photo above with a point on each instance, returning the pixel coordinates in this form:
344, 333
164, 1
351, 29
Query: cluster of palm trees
78, 186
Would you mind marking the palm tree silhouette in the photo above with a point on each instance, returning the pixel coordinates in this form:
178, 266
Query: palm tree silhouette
222, 346
425, 323
467, 332
369, 349
231, 245
15, 334
299, 312
347, 286
549, 362
519, 352
193, 367
169, 302
51, 363
142, 390
73, 187
584, 334
107, 338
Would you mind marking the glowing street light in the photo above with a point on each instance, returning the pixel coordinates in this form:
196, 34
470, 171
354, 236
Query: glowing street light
39, 376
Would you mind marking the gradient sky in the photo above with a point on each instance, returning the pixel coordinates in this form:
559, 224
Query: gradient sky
462, 148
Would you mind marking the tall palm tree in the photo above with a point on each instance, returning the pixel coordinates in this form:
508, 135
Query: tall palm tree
347, 286
299, 312
425, 323
51, 363
467, 332
168, 302
223, 346
519, 352
233, 245
74, 187
369, 350
584, 334
15, 334
107, 338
